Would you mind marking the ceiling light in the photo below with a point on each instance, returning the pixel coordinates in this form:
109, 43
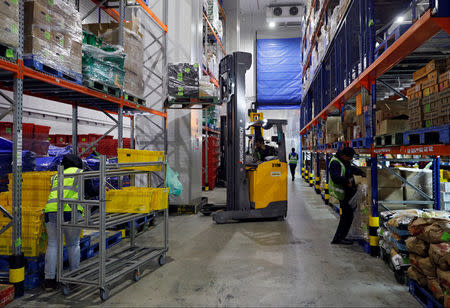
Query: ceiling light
400, 19
272, 24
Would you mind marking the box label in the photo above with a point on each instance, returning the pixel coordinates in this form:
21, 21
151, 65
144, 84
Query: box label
275, 173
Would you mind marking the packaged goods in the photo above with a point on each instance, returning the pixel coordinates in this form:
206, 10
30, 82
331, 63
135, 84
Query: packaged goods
434, 233
9, 32
333, 129
206, 88
417, 226
417, 246
447, 301
392, 126
444, 279
53, 34
416, 275
133, 48
104, 65
423, 264
183, 79
435, 288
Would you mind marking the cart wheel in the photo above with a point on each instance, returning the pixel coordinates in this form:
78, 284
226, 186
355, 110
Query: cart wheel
137, 275
162, 259
66, 290
104, 293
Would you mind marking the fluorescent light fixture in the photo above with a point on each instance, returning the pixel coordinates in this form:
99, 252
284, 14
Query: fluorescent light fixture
400, 19
272, 24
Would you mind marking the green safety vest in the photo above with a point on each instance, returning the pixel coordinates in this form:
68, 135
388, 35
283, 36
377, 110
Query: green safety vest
293, 158
70, 191
336, 190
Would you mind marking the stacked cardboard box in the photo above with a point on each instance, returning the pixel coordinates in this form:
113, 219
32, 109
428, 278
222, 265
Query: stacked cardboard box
428, 97
53, 34
391, 117
431, 110
333, 129
9, 14
132, 47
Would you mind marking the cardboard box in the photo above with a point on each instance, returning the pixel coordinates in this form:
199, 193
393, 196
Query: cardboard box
349, 116
414, 124
429, 83
392, 126
10, 9
434, 75
418, 94
133, 84
420, 73
333, 129
445, 76
359, 130
411, 90
391, 109
443, 85
9, 32
416, 114
437, 64
36, 14
414, 103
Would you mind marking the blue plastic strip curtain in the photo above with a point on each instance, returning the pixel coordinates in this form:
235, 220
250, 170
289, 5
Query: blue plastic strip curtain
278, 73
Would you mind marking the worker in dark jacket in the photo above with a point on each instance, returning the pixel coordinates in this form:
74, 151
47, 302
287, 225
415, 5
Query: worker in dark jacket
342, 187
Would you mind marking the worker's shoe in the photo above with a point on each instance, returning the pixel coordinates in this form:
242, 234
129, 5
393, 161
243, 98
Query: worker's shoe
50, 285
342, 242
293, 179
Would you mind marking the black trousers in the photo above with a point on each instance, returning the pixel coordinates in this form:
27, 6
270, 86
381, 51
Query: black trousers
345, 222
292, 170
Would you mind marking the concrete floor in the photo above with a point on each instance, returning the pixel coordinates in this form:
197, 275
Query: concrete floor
274, 263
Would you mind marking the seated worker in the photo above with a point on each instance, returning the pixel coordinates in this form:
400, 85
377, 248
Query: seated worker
262, 151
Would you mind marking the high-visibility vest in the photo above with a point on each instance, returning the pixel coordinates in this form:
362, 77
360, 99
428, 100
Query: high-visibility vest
70, 191
336, 190
293, 158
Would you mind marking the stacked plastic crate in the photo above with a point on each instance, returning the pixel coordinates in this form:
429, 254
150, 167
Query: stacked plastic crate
213, 161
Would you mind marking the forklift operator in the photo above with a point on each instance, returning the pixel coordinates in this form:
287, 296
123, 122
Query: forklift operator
262, 151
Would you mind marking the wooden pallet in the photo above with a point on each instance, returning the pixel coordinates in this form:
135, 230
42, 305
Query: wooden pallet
191, 102
394, 139
101, 87
41, 65
133, 99
429, 135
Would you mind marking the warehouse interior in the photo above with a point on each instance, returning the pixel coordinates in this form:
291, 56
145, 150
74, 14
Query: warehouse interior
225, 153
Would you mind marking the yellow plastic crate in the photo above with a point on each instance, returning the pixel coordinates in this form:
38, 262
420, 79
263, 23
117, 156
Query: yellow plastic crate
32, 224
160, 199
138, 156
34, 180
129, 200
31, 247
31, 200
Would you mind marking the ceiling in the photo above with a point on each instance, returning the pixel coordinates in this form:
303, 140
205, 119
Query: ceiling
253, 6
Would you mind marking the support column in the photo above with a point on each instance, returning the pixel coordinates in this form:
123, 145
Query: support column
311, 173
327, 192
16, 262
317, 179
120, 128
437, 183
232, 26
132, 146
374, 220
75, 129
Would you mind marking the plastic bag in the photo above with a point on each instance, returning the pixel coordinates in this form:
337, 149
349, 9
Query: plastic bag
173, 182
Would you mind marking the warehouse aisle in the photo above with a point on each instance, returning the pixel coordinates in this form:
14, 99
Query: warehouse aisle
274, 263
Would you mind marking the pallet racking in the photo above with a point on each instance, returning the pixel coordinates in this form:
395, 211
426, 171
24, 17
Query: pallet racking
19, 79
350, 67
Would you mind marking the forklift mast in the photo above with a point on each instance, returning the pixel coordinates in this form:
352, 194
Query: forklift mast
232, 93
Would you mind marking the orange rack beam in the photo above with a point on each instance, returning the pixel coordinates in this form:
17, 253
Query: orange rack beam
214, 32
416, 35
152, 15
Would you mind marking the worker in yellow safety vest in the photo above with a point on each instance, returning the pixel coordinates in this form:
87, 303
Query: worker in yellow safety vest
72, 164
342, 187
293, 159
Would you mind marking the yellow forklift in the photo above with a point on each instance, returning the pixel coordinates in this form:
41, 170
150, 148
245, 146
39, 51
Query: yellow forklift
256, 189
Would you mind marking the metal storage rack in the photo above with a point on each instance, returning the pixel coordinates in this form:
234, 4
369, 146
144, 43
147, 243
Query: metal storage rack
107, 267
19, 79
347, 70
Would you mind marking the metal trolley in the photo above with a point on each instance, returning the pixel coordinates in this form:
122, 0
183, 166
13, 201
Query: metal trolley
103, 269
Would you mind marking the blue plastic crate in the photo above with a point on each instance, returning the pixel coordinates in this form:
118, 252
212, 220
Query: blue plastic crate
425, 298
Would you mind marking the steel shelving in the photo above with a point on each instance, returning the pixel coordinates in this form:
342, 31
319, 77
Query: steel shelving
330, 92
19, 79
